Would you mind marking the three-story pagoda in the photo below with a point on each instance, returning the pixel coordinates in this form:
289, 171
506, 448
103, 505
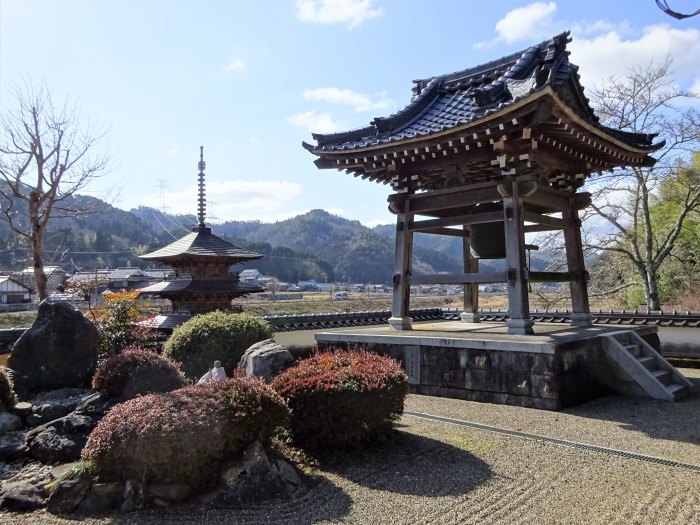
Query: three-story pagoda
201, 261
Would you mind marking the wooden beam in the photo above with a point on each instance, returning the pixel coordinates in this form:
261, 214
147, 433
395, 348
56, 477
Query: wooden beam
459, 278
537, 218
534, 228
460, 220
426, 202
550, 277
444, 231
549, 198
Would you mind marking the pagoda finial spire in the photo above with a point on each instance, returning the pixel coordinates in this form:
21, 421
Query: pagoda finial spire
201, 208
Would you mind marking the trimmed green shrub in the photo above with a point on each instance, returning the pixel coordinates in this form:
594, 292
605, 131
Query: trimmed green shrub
7, 393
250, 410
214, 336
137, 371
342, 399
175, 437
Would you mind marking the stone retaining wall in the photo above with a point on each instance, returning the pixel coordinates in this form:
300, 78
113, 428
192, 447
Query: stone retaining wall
545, 380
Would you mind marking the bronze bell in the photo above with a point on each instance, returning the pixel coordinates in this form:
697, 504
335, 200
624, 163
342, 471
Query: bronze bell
488, 239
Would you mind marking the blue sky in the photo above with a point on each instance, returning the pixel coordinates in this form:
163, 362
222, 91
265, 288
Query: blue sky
251, 80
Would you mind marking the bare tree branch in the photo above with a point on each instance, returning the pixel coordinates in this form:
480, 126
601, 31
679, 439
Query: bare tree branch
45, 158
644, 101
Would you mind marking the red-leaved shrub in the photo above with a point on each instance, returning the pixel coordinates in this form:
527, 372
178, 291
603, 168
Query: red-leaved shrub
181, 436
175, 437
137, 371
341, 399
250, 410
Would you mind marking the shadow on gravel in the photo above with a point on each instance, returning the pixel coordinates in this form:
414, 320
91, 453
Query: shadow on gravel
323, 501
416, 465
673, 421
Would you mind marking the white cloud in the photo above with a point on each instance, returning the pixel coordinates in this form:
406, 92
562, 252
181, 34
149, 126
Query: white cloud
234, 199
358, 101
350, 12
316, 122
234, 66
524, 23
611, 54
602, 48
695, 88
174, 152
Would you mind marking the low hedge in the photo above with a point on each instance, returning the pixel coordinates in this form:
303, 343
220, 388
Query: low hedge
137, 371
175, 437
182, 436
342, 399
250, 410
214, 336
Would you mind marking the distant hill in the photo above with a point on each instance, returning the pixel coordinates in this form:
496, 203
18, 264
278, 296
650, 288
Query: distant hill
315, 245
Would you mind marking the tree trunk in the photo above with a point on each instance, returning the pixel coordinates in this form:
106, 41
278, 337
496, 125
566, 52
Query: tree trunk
37, 237
652, 288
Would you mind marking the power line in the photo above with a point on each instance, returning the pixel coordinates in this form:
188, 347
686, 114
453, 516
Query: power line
161, 224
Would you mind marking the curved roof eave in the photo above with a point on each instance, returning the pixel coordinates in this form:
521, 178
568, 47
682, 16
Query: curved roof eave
596, 129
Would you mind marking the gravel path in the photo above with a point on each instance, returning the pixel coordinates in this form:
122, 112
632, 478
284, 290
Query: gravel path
435, 473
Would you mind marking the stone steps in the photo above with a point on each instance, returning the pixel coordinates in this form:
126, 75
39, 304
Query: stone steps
645, 367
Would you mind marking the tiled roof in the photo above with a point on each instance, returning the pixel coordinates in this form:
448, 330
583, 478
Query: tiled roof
222, 286
165, 322
202, 243
126, 273
447, 101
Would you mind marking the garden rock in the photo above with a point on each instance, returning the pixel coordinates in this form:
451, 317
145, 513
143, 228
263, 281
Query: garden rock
168, 494
249, 479
47, 412
21, 497
66, 496
59, 350
61, 440
134, 498
266, 359
13, 446
9, 422
289, 475
23, 409
102, 497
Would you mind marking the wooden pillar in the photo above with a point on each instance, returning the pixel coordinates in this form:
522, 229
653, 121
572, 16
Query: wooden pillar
470, 313
403, 254
581, 315
519, 321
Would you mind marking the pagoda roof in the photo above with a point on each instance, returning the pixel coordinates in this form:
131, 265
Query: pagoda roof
202, 243
447, 108
205, 286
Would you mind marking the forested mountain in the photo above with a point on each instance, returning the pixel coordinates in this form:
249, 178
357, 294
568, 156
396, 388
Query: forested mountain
315, 245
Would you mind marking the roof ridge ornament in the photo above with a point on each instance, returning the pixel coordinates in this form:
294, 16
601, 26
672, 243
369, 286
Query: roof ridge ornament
202, 202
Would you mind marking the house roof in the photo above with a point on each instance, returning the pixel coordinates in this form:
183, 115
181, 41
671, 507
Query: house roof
7, 280
126, 273
202, 243
48, 270
463, 100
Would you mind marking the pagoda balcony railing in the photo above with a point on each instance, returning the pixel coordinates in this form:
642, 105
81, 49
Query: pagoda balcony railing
175, 310
186, 310
192, 275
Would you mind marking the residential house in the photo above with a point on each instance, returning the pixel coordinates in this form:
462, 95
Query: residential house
12, 294
55, 274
